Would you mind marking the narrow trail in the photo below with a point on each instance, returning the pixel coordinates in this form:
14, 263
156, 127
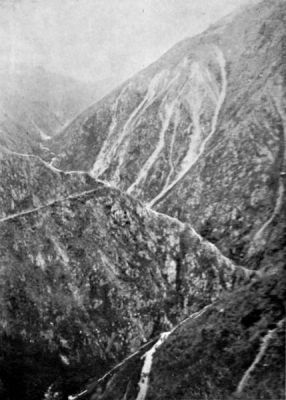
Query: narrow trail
54, 169
48, 165
53, 201
192, 158
60, 200
263, 348
261, 236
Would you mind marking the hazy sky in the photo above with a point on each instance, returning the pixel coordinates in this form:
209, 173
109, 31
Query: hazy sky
99, 39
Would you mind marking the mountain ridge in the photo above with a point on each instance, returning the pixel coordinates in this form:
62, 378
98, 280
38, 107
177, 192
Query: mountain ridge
146, 247
205, 121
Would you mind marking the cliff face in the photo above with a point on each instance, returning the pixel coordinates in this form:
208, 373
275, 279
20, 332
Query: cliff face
200, 134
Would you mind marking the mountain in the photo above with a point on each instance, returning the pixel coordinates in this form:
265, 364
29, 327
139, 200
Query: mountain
145, 258
200, 134
36, 104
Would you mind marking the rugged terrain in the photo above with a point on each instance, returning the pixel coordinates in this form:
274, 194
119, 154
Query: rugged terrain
200, 134
88, 272
144, 257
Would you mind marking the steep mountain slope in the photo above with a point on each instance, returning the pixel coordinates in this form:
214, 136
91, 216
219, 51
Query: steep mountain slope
200, 135
134, 292
88, 275
233, 349
36, 104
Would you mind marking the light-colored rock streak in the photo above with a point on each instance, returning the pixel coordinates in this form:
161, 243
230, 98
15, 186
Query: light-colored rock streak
145, 373
263, 348
43, 135
194, 109
173, 140
118, 148
213, 88
54, 159
169, 110
100, 164
192, 156
148, 356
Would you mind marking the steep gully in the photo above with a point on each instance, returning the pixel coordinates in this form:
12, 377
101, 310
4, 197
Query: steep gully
169, 109
189, 91
195, 152
115, 146
108, 151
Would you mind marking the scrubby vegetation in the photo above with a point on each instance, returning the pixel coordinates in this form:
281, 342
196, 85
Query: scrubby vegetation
206, 358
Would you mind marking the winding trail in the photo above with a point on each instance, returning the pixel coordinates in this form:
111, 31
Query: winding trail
54, 169
193, 155
263, 348
48, 165
260, 238
52, 202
